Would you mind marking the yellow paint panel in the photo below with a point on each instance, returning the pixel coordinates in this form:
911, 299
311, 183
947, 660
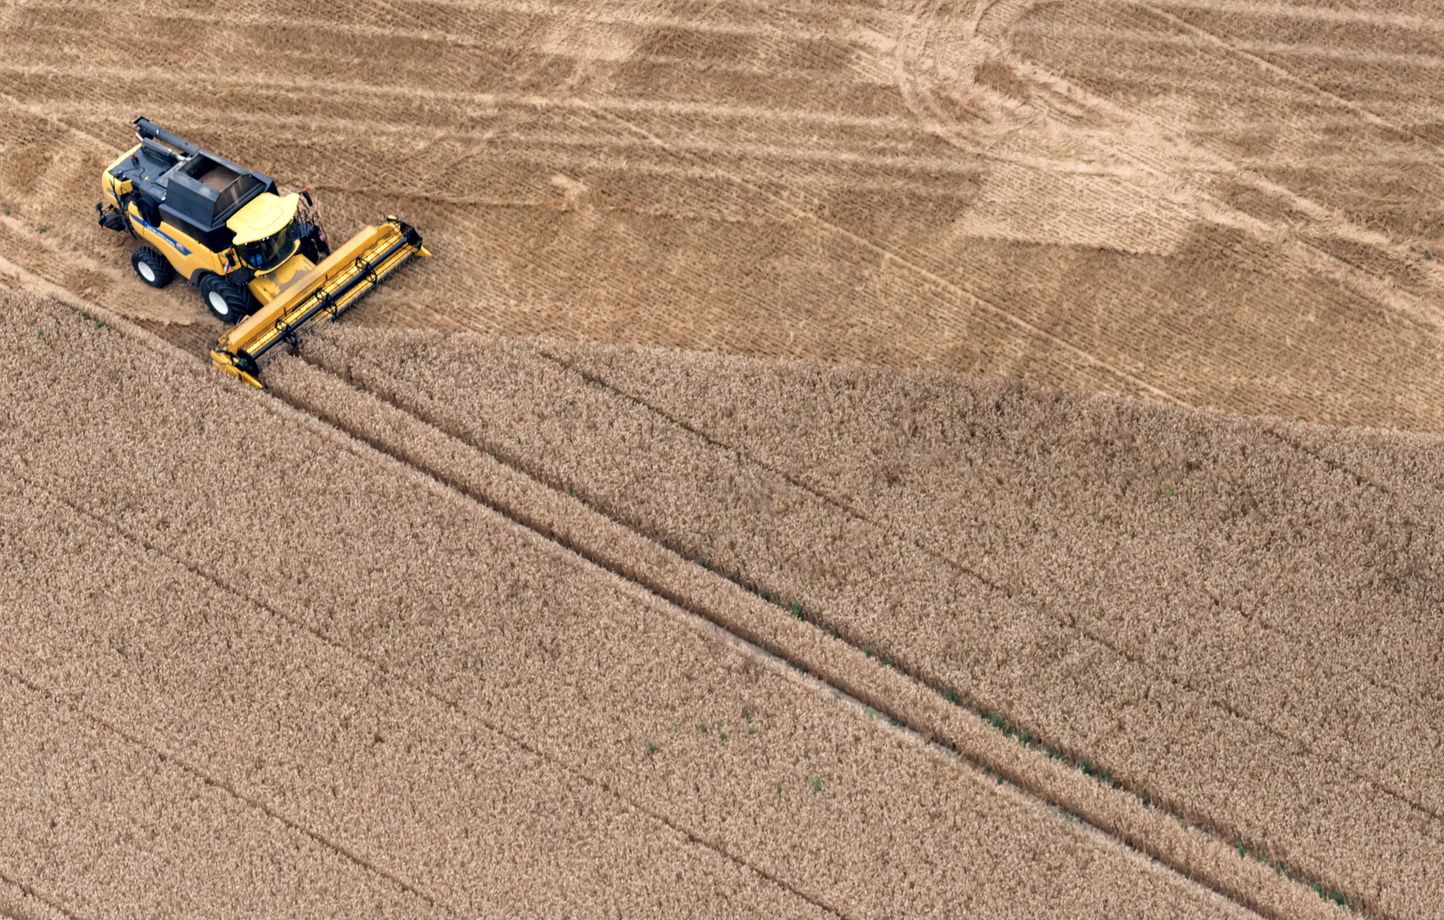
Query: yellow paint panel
336, 283
170, 242
270, 285
263, 216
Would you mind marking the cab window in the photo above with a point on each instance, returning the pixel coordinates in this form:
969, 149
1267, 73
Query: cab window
266, 254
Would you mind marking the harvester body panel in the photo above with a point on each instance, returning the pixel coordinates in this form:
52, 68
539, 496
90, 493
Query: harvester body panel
189, 256
263, 216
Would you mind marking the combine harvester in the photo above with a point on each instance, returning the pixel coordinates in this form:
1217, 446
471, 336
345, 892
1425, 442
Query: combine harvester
260, 258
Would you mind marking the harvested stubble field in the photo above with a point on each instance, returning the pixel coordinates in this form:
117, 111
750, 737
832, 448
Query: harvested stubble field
1224, 204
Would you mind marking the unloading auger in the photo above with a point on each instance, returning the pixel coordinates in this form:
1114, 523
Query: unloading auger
261, 260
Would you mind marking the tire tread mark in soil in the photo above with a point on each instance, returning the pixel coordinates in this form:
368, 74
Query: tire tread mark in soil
1408, 307
1281, 71
928, 275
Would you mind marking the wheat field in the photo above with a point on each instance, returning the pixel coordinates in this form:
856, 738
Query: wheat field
854, 458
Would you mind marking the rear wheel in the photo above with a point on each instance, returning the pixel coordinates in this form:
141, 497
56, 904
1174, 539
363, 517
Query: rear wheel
227, 302
152, 267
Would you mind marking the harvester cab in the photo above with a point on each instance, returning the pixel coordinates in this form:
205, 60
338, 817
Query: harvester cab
261, 260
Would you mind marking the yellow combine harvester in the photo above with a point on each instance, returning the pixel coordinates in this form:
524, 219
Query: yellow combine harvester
260, 258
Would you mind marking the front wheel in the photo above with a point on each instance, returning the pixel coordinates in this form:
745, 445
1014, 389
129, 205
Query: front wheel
227, 302
152, 267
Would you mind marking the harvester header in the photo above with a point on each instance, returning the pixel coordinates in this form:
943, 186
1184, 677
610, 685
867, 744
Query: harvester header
349, 273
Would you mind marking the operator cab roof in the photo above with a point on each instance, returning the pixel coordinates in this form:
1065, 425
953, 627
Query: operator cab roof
265, 216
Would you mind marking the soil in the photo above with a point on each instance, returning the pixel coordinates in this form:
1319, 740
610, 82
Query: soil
1232, 206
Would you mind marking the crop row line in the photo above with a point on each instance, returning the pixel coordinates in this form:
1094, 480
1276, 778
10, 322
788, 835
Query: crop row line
30, 891
995, 720
962, 568
377, 666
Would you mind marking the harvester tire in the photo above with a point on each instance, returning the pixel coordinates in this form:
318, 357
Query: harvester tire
227, 302
151, 267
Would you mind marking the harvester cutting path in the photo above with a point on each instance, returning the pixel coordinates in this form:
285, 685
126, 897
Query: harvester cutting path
261, 259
